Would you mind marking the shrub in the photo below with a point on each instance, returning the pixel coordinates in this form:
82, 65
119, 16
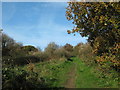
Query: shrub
59, 53
19, 79
25, 60
29, 48
49, 50
84, 51
43, 56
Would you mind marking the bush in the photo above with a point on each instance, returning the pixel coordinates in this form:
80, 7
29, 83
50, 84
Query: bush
84, 51
19, 79
43, 56
59, 53
25, 60
29, 48
50, 49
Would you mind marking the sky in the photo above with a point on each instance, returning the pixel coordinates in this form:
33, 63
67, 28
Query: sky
38, 23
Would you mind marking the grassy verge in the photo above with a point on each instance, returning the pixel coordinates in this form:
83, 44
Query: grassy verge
53, 72
87, 78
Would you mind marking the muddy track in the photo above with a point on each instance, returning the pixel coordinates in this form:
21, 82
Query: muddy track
70, 82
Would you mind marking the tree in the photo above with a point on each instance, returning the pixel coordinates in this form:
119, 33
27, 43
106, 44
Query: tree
7, 44
77, 49
95, 21
51, 48
68, 47
7, 41
69, 50
100, 22
29, 48
10, 49
60, 53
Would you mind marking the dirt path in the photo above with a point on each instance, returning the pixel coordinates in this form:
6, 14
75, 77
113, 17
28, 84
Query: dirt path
70, 83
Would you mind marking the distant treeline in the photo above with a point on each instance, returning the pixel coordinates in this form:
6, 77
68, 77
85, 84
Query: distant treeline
16, 54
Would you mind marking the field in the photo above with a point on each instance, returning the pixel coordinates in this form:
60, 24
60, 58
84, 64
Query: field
67, 74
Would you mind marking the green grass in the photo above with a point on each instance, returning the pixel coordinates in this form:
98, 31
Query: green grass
54, 72
87, 78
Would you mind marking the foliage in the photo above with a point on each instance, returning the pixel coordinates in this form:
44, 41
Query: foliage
29, 48
54, 51
77, 49
17, 78
95, 21
84, 51
69, 50
49, 50
68, 47
35, 76
43, 56
15, 54
59, 53
8, 45
104, 66
51, 47
53, 72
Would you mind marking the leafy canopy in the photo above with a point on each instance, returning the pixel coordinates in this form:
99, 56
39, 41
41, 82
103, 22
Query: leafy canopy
99, 21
